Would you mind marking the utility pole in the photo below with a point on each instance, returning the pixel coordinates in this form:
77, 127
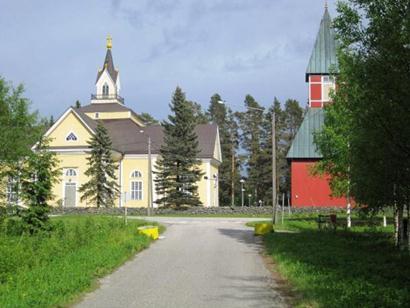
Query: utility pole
150, 192
242, 191
233, 172
274, 164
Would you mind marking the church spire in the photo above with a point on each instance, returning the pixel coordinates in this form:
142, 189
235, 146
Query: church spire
108, 80
323, 56
109, 62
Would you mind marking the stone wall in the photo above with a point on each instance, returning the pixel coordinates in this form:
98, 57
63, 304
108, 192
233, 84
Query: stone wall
226, 210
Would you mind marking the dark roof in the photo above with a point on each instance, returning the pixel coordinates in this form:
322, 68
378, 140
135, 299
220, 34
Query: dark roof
303, 146
90, 122
109, 64
323, 56
128, 138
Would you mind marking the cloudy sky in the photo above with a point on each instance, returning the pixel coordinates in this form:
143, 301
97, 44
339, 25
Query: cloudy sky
232, 47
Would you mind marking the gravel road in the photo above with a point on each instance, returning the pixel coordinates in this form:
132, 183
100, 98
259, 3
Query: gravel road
200, 262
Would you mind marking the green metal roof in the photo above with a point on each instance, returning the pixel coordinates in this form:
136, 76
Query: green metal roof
303, 146
323, 56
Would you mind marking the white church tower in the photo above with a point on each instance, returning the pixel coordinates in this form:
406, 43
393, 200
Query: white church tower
108, 81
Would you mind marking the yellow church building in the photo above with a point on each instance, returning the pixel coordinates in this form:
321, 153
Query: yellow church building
130, 137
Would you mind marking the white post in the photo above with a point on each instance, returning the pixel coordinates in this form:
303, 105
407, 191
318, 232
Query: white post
384, 221
125, 215
283, 206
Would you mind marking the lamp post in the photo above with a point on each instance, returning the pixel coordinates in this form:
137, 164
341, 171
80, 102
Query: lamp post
249, 200
274, 205
242, 191
150, 192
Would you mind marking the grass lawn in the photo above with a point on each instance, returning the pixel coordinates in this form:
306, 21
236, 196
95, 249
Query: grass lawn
53, 269
182, 214
357, 268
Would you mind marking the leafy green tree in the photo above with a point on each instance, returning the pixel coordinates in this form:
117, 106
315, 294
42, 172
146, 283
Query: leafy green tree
20, 128
37, 178
178, 166
229, 170
366, 138
102, 187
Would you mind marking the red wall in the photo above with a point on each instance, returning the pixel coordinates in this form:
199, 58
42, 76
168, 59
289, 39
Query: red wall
310, 191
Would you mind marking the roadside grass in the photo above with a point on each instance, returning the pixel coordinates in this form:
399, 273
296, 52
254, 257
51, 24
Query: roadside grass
347, 268
49, 270
182, 214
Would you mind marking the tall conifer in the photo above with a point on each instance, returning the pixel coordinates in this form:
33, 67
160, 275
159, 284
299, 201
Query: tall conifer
221, 115
101, 188
178, 167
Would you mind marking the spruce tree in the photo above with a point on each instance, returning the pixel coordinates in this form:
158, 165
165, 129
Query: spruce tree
251, 124
38, 175
221, 115
178, 167
102, 187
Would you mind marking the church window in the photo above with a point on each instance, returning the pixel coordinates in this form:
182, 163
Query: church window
71, 137
105, 90
136, 185
71, 172
12, 190
328, 86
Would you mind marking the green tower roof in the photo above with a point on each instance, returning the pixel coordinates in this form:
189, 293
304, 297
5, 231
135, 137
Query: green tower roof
323, 57
302, 145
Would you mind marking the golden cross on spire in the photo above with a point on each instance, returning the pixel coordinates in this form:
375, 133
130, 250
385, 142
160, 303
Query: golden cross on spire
109, 42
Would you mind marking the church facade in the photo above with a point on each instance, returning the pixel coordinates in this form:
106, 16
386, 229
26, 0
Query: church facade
131, 137
308, 190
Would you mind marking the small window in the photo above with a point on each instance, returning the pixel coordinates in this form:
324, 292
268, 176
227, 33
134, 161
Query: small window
12, 190
136, 190
71, 172
71, 137
106, 90
136, 174
97, 115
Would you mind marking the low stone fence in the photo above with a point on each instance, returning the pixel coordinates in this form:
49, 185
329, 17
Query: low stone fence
226, 210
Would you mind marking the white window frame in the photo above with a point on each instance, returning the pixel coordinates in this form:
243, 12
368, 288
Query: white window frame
136, 190
136, 186
136, 174
105, 90
70, 140
70, 172
12, 190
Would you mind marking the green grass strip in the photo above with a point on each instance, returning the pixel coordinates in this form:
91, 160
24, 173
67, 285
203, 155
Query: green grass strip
52, 270
355, 268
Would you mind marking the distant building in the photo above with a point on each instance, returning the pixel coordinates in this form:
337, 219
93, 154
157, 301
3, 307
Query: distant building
70, 133
308, 190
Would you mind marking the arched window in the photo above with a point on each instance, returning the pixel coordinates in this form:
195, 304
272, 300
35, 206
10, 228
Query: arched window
105, 90
71, 137
71, 172
136, 185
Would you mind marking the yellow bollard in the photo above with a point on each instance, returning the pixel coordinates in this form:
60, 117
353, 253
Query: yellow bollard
263, 228
150, 231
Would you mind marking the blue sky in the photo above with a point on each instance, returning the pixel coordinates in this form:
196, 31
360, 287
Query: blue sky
233, 47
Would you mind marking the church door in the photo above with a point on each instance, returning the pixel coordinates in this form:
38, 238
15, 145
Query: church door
70, 194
